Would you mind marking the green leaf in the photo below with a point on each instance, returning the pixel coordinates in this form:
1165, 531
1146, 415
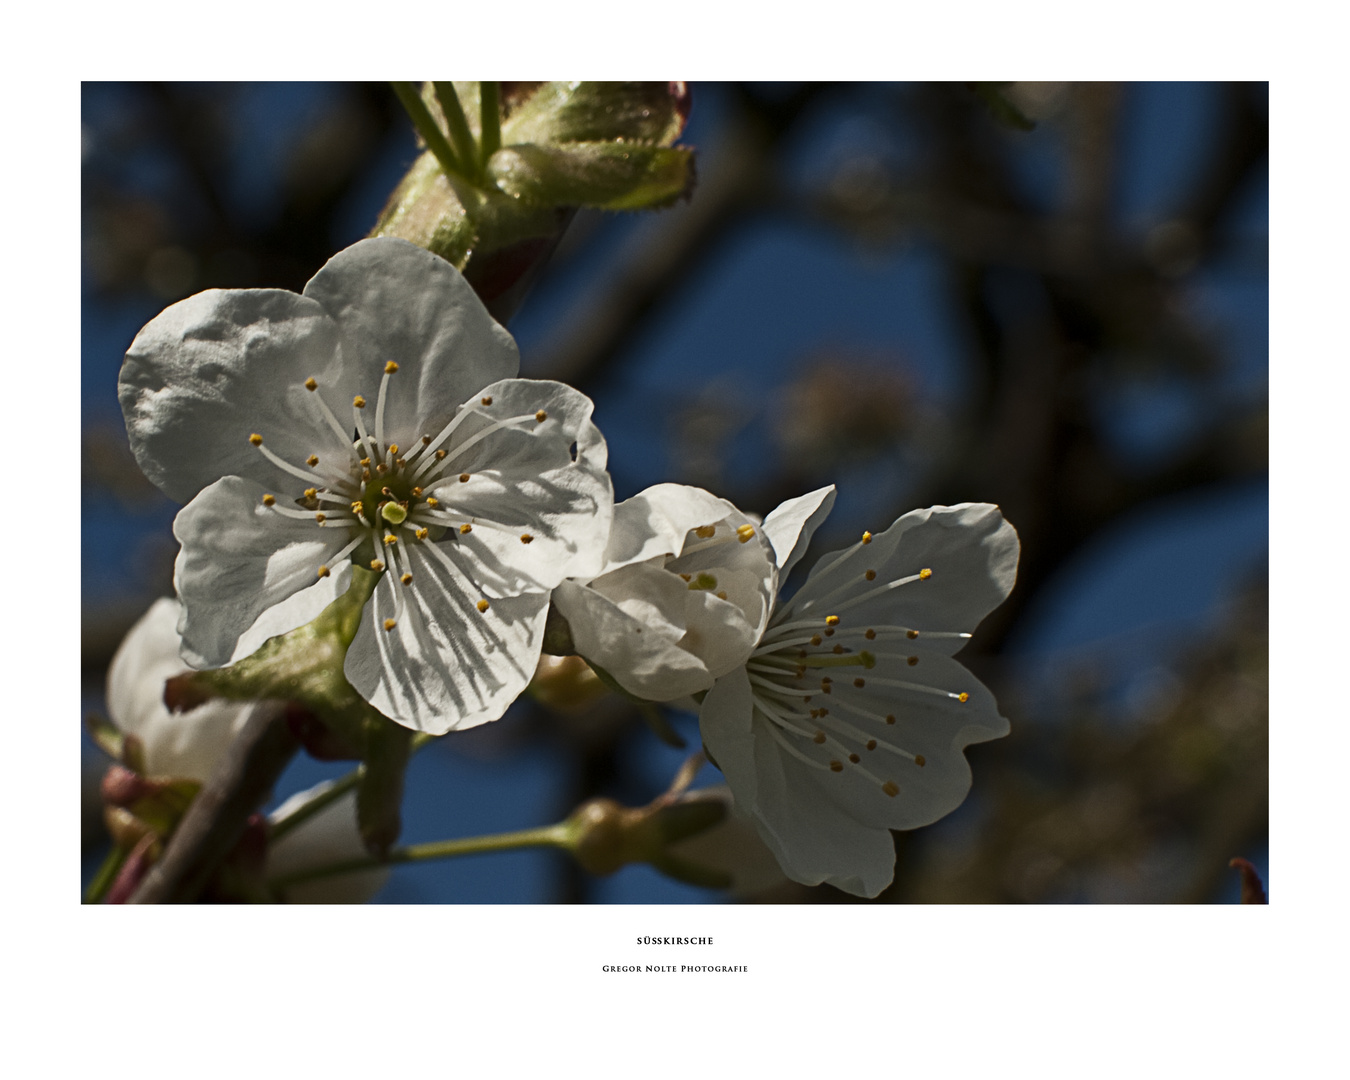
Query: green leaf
603, 175
564, 112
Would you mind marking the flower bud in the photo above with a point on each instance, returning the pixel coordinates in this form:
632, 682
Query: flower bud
601, 835
565, 683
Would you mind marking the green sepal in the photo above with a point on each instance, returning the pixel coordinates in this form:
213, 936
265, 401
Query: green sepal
566, 112
379, 789
304, 665
692, 873
600, 175
106, 735
164, 806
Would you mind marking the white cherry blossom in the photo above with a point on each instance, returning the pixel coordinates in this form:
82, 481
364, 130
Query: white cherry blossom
851, 717
190, 745
372, 419
682, 598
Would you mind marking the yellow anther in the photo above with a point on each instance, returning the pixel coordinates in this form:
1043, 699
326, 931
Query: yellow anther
312, 460
255, 439
421, 534
687, 577
890, 789
870, 635
433, 502
911, 634
890, 719
819, 737
381, 468
440, 455
859, 683
925, 574
867, 538
722, 595
269, 500
487, 400
311, 492
541, 416
399, 463
482, 605
417, 493
406, 579
310, 384
836, 766
912, 661
463, 478
390, 538
390, 367
377, 565
321, 517
920, 760
816, 639
426, 440
323, 571
870, 575
466, 528
359, 402
831, 620
705, 531
745, 533
854, 758
393, 448
829, 631
365, 463
871, 744
962, 697
357, 507
526, 538
837, 650
389, 624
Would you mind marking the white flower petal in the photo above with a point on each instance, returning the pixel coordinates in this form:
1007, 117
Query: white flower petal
524, 479
187, 744
656, 522
330, 836
211, 370
971, 551
719, 632
814, 839
238, 560
444, 665
649, 595
642, 659
790, 526
393, 300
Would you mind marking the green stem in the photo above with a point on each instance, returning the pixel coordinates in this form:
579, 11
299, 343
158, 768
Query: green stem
490, 119
281, 826
559, 835
426, 127
107, 874
458, 124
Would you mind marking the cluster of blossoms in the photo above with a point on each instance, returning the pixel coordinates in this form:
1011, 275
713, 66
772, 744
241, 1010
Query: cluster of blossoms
376, 421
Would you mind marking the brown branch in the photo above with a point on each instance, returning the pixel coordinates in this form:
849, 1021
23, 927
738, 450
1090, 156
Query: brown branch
216, 819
